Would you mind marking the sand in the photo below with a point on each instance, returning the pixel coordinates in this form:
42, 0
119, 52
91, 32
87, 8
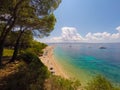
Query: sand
49, 60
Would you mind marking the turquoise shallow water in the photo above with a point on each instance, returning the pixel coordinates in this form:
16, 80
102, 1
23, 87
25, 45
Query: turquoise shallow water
84, 61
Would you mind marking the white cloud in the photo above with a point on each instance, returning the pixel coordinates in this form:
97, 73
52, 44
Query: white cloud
98, 36
70, 34
115, 36
118, 28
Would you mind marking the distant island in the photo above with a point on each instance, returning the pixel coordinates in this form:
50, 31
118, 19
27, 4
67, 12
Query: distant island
102, 47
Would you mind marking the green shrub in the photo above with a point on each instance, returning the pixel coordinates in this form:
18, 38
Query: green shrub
29, 57
100, 83
59, 83
30, 75
7, 52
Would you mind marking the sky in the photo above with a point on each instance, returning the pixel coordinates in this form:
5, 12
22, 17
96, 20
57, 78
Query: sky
86, 21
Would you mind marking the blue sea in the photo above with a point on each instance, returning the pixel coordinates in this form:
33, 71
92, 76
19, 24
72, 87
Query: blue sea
84, 61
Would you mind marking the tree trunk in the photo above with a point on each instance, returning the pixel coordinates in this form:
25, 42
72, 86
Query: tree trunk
16, 47
1, 52
2, 42
3, 38
7, 30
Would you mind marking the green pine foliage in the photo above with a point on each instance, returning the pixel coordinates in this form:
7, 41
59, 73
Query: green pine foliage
36, 48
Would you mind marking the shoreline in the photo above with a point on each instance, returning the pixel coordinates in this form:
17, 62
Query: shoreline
49, 60
56, 68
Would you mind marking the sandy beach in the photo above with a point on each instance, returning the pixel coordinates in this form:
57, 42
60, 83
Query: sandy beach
49, 60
